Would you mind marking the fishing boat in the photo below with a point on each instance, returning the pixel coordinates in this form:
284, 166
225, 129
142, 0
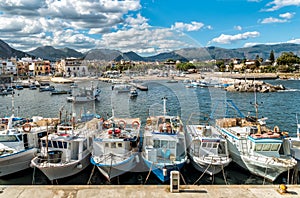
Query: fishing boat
46, 88
66, 152
295, 145
115, 150
84, 95
59, 92
254, 146
133, 93
121, 88
18, 146
164, 144
207, 149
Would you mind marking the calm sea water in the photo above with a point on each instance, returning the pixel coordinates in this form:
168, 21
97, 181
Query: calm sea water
279, 107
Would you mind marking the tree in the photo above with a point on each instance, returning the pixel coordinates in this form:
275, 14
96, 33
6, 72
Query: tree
288, 58
220, 64
287, 61
272, 57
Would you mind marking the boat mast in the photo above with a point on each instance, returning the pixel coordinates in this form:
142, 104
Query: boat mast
298, 127
165, 110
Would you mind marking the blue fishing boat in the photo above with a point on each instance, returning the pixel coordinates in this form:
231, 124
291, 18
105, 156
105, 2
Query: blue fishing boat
164, 145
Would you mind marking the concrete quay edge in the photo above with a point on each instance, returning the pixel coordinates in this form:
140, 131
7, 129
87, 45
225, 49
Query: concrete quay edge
152, 191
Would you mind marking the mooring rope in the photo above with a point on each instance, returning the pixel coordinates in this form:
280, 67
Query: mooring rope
202, 174
148, 173
33, 176
224, 176
91, 175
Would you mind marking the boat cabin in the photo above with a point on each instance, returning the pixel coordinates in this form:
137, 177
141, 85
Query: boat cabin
271, 148
64, 149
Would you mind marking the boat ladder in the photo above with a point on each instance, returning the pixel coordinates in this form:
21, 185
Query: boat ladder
243, 146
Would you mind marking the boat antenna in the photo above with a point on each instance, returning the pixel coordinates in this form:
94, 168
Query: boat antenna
165, 100
13, 104
298, 127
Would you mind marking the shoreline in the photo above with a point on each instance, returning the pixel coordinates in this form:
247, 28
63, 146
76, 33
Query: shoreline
194, 76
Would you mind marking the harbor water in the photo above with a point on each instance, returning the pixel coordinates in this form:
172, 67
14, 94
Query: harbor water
279, 107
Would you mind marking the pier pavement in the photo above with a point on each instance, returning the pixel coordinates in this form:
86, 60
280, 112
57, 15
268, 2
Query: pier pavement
152, 191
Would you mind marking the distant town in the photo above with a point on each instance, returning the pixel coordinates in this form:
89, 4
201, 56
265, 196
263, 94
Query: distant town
79, 67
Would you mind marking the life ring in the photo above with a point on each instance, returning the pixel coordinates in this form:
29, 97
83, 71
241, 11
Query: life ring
256, 135
276, 129
26, 127
114, 131
122, 124
2, 127
135, 124
285, 133
149, 121
106, 124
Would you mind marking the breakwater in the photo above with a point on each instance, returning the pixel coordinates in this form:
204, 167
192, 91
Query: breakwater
253, 86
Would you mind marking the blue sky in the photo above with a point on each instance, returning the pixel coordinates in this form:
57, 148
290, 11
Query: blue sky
148, 26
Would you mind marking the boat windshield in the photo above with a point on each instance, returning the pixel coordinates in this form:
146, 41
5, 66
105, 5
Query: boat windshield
9, 138
267, 147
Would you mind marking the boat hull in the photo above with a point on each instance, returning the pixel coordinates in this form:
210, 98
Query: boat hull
16, 162
158, 169
111, 170
61, 170
265, 167
211, 167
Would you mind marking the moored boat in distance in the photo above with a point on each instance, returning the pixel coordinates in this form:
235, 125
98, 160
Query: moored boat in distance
84, 95
164, 145
66, 152
115, 150
255, 147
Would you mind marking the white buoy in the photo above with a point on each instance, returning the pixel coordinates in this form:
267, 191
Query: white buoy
164, 171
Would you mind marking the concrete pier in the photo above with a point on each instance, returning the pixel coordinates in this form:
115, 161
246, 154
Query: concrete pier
153, 191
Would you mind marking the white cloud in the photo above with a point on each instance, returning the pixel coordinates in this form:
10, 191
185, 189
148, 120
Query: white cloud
283, 18
64, 22
277, 4
228, 39
253, 44
194, 26
287, 15
295, 41
238, 27
147, 40
273, 20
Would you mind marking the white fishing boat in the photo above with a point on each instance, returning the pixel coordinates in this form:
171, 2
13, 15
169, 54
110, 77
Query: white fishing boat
66, 152
84, 95
18, 146
164, 144
121, 88
254, 146
133, 93
295, 145
207, 149
115, 150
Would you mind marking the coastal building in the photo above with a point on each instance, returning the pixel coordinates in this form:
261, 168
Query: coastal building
8, 67
72, 67
41, 67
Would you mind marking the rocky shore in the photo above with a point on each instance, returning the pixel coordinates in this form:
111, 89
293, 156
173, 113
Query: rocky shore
253, 86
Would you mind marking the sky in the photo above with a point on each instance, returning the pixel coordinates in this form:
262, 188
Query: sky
148, 27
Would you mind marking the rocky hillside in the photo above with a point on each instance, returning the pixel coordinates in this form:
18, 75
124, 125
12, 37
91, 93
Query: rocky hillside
7, 52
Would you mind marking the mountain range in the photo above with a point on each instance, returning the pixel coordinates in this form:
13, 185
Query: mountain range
186, 54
